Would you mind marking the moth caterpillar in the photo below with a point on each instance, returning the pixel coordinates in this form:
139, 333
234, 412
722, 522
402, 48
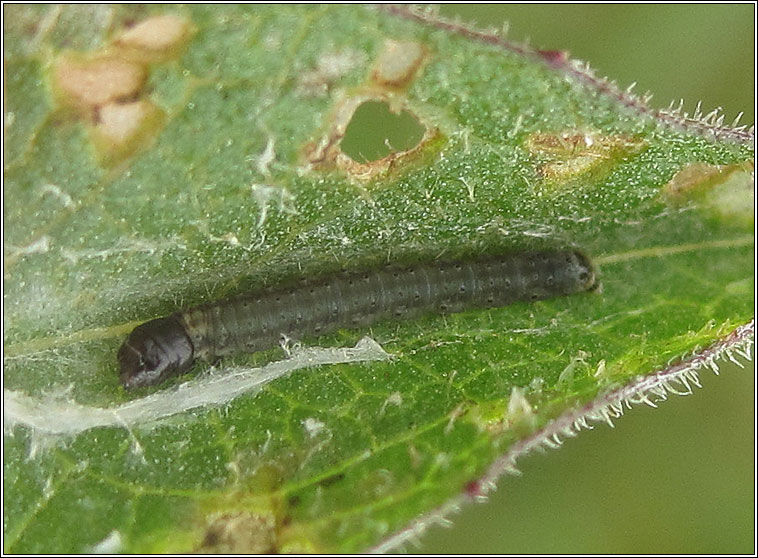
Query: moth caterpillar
166, 347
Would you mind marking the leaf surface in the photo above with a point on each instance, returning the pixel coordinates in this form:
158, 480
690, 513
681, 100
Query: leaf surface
233, 179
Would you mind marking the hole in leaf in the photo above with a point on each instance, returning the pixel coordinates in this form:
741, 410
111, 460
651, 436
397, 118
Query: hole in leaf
374, 132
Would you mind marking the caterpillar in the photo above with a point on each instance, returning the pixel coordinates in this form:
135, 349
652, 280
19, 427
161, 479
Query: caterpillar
167, 347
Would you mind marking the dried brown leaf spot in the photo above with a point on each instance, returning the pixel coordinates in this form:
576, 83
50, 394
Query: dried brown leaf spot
327, 153
122, 128
397, 63
727, 191
158, 36
394, 68
699, 177
119, 122
107, 87
97, 81
239, 533
571, 155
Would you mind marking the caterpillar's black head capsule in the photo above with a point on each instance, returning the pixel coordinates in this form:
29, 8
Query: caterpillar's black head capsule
153, 352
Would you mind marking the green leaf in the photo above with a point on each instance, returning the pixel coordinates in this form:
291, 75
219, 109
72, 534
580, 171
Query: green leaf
233, 179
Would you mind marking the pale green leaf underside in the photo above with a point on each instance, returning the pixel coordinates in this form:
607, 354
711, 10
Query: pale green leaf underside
337, 457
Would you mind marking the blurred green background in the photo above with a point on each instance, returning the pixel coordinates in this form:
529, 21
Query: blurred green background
679, 479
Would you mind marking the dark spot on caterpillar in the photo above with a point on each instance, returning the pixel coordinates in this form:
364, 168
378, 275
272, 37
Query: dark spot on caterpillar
166, 347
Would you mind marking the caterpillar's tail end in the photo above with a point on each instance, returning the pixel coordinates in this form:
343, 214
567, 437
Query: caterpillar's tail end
585, 272
154, 352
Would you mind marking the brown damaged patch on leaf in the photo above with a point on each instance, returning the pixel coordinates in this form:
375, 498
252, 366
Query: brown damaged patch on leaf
728, 191
155, 38
398, 63
239, 533
258, 517
327, 154
572, 155
106, 88
88, 82
121, 128
700, 177
393, 70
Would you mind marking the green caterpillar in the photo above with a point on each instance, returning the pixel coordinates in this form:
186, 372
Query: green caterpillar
166, 347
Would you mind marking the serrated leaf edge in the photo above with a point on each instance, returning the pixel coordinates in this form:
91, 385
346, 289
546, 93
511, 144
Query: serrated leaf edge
606, 407
710, 125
